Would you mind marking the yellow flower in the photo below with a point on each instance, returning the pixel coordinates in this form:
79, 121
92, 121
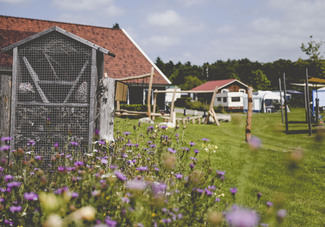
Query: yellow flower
153, 214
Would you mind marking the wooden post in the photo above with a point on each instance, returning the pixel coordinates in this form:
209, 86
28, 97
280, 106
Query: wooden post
305, 99
149, 93
285, 103
281, 103
5, 91
118, 105
93, 101
15, 71
172, 107
106, 110
154, 104
211, 109
248, 131
308, 103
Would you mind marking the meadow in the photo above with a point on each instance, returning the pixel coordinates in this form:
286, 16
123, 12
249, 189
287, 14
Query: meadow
194, 175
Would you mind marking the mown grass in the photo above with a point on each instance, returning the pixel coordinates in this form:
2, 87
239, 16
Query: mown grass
276, 170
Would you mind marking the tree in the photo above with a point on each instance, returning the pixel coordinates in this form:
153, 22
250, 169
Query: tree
191, 82
116, 26
259, 80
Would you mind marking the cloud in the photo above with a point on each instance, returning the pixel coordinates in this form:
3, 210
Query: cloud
161, 41
169, 18
89, 5
226, 29
15, 1
189, 3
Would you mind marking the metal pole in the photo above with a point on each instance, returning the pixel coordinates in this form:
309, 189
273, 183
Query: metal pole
308, 103
285, 102
306, 109
281, 104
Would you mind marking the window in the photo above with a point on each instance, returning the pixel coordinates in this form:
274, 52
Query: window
224, 90
235, 99
242, 90
219, 99
225, 99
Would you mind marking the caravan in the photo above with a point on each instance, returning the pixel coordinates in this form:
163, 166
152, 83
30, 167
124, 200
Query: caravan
264, 102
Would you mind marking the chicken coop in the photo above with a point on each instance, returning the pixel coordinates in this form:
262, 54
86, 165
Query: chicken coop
54, 83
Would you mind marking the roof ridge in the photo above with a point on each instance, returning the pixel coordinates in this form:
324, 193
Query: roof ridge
70, 23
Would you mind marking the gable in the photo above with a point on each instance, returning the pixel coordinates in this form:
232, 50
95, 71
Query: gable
129, 61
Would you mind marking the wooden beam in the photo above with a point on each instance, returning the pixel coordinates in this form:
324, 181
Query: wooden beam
149, 92
248, 130
172, 107
154, 106
14, 98
160, 91
93, 100
133, 77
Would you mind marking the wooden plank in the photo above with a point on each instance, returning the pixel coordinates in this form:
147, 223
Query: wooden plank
121, 91
172, 107
133, 77
106, 111
248, 130
49, 61
15, 72
53, 104
149, 92
186, 91
93, 101
68, 83
79, 76
5, 102
35, 78
154, 107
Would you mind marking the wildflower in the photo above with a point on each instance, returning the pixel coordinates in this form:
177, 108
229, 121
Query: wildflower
74, 194
8, 178
142, 168
255, 143
269, 204
31, 143
191, 144
31, 196
73, 143
104, 161
4, 147
205, 140
241, 217
110, 222
120, 176
178, 176
14, 209
149, 142
171, 150
101, 142
281, 213
192, 165
217, 200
13, 184
79, 163
39, 158
126, 133
125, 200
233, 191
4, 139
113, 166
61, 168
201, 191
1, 169
136, 185
9, 222
221, 173
208, 192
196, 151
156, 169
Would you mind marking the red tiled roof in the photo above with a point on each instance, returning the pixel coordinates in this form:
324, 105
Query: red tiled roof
211, 85
129, 60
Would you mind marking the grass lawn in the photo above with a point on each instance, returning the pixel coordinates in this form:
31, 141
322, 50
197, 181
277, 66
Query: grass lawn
276, 169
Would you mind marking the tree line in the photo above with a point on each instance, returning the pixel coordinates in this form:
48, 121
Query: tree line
261, 76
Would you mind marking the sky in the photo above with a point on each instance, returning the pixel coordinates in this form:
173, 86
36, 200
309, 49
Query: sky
198, 31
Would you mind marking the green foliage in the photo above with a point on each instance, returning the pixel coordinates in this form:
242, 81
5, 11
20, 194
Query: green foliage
259, 80
191, 82
135, 107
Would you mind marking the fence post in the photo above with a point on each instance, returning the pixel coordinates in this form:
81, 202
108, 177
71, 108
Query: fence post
249, 115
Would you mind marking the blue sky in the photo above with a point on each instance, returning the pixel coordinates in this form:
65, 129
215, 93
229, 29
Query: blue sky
198, 31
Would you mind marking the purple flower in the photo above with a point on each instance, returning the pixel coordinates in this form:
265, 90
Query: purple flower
192, 158
56, 145
4, 147
191, 144
196, 151
156, 169
217, 200
233, 191
39, 158
281, 213
61, 168
241, 217
15, 209
3, 139
9, 222
101, 142
178, 176
1, 169
142, 168
2, 200
171, 150
74, 194
205, 140
137, 185
104, 161
31, 143
31, 196
149, 142
126, 133
221, 173
192, 165
199, 190
208, 192
113, 166
125, 200
158, 189
269, 204
120, 176
168, 220
110, 222
153, 145
8, 178
255, 143
13, 184
73, 143
163, 127
79, 163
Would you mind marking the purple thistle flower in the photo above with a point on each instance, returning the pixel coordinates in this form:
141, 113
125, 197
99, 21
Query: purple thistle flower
125, 200
142, 168
241, 217
163, 127
137, 185
171, 150
96, 131
217, 200
221, 173
110, 222
13, 184
1, 169
61, 168
39, 158
8, 178
104, 161
32, 196
126, 133
269, 204
281, 213
205, 140
201, 191
113, 166
153, 145
101, 142
156, 169
208, 192
168, 220
149, 142
233, 191
192, 158
178, 175
79, 163
4, 147
8, 222
120, 175
255, 143
3, 139
74, 195
73, 143
191, 144
31, 143
14, 209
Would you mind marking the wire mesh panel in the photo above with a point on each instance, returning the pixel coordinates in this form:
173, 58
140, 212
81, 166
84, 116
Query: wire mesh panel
53, 87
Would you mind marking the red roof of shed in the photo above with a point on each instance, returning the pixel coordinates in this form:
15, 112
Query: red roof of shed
211, 85
130, 60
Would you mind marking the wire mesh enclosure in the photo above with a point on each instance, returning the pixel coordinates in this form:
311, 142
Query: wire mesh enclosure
55, 75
